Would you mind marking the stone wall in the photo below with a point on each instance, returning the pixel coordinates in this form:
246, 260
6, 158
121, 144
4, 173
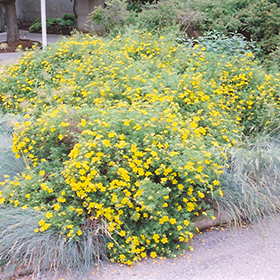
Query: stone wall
29, 10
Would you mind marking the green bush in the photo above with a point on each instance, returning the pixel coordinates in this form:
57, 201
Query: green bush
257, 20
130, 133
164, 16
114, 16
67, 21
230, 44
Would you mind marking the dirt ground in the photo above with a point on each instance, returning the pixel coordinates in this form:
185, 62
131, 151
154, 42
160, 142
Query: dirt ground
14, 46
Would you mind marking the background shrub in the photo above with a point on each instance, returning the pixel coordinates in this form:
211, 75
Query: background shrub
229, 44
66, 21
257, 20
164, 16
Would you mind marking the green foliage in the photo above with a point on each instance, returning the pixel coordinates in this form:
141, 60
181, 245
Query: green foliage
257, 20
158, 17
114, 16
131, 133
67, 20
161, 17
230, 44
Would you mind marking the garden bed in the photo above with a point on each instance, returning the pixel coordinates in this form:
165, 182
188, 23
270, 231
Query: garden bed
24, 44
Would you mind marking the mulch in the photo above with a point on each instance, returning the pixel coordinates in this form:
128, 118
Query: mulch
25, 44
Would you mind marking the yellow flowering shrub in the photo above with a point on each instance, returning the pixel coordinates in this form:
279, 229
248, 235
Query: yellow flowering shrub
130, 132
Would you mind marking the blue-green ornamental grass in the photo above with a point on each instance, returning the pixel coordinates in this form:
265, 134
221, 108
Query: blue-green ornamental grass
131, 133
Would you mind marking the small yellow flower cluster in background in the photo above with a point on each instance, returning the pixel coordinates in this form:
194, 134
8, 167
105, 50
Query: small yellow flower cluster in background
132, 132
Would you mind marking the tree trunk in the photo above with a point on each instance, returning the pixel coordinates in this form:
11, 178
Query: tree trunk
11, 20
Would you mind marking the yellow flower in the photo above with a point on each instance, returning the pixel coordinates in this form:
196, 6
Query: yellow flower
122, 257
45, 227
216, 182
79, 232
79, 211
164, 240
64, 124
41, 223
194, 125
83, 122
61, 199
190, 206
56, 206
156, 238
49, 215
110, 245
153, 254
200, 194
143, 255
107, 143
163, 219
16, 202
122, 233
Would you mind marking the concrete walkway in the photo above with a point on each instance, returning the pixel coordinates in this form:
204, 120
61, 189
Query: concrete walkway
7, 58
249, 253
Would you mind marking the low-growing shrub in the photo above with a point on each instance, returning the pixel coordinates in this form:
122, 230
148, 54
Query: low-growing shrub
126, 164
130, 133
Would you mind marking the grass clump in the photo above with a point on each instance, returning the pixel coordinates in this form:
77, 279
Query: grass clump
10, 166
251, 183
23, 251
